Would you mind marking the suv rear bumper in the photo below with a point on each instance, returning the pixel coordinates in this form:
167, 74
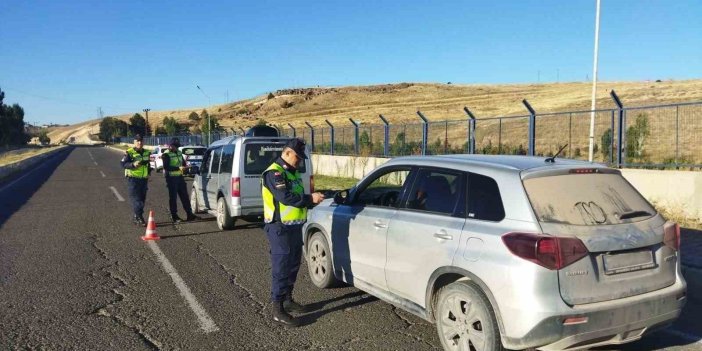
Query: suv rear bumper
612, 322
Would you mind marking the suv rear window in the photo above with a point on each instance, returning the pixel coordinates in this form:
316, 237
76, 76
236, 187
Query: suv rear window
258, 156
586, 199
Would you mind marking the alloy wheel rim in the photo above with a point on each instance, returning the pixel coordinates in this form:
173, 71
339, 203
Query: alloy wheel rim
462, 324
319, 259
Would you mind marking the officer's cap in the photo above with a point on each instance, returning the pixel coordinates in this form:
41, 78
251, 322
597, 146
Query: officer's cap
175, 142
297, 145
138, 137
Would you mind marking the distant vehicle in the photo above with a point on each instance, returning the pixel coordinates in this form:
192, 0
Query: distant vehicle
228, 183
504, 251
192, 154
155, 158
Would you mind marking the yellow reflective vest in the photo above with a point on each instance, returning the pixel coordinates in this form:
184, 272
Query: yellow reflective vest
289, 215
175, 160
140, 171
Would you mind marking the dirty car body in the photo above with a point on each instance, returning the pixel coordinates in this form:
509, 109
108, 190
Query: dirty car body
556, 255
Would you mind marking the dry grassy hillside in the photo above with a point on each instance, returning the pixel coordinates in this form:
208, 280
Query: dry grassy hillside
399, 102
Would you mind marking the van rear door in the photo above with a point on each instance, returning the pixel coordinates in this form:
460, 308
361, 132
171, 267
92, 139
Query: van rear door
256, 157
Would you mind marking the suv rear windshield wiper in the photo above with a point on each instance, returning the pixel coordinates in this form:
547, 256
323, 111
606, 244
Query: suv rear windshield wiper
633, 214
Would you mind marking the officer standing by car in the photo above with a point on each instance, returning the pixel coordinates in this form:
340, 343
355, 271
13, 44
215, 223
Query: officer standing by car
174, 168
285, 210
136, 168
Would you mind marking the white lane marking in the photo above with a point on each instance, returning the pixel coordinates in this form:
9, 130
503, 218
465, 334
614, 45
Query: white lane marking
91, 156
95, 163
102, 174
206, 323
119, 197
689, 337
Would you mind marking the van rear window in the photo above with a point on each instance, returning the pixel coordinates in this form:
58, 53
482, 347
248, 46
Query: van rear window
586, 199
258, 156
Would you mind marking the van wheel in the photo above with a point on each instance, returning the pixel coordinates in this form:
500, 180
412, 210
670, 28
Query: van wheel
465, 320
319, 262
194, 202
224, 220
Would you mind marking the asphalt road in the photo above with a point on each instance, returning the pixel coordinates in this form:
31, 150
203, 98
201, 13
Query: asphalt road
75, 275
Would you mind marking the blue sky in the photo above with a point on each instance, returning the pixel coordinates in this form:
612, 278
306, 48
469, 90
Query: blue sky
61, 60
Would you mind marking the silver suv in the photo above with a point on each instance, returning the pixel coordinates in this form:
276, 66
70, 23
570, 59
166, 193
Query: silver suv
504, 251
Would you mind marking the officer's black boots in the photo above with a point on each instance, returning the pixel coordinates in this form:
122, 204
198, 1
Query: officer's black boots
291, 306
175, 218
192, 217
282, 317
139, 220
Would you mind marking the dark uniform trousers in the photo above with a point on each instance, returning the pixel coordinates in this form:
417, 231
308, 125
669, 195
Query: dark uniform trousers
286, 254
177, 188
137, 193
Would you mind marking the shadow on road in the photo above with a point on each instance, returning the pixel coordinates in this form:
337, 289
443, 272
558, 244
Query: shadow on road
352, 299
239, 227
14, 196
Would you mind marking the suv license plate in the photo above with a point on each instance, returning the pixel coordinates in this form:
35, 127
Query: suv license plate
628, 261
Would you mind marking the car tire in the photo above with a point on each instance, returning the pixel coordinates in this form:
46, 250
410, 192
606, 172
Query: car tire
319, 262
465, 319
224, 220
194, 201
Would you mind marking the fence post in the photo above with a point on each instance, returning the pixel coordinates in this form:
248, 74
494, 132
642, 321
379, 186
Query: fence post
425, 132
331, 147
355, 136
621, 143
532, 128
386, 137
611, 141
293, 129
471, 130
243, 132
311, 135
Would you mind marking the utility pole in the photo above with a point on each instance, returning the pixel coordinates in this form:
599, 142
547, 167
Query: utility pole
594, 82
146, 129
209, 125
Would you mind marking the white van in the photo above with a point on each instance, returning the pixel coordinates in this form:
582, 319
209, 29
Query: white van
228, 184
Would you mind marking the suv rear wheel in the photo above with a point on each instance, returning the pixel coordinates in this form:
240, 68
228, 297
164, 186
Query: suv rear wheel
224, 220
465, 320
319, 262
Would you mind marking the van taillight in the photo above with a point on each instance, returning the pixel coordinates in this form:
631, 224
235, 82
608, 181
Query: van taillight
671, 235
551, 252
235, 187
311, 184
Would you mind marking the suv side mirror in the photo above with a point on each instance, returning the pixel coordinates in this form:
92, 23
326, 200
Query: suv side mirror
341, 197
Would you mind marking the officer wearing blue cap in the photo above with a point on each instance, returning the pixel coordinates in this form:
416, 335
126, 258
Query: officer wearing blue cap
137, 169
285, 210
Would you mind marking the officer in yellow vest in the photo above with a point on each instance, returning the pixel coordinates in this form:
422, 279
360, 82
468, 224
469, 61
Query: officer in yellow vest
285, 210
173, 168
136, 168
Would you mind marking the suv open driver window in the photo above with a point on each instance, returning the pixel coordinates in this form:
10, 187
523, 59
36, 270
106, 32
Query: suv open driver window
385, 189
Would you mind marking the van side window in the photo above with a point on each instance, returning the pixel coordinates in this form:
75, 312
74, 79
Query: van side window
216, 156
484, 200
435, 191
206, 160
227, 159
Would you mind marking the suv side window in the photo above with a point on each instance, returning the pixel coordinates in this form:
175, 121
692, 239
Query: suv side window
437, 191
227, 159
484, 200
205, 166
385, 189
216, 156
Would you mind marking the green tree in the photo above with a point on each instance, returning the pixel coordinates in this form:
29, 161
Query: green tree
111, 128
193, 116
137, 125
606, 141
261, 122
12, 131
44, 137
636, 136
216, 127
172, 127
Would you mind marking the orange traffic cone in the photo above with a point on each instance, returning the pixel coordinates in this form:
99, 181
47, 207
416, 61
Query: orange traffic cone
151, 229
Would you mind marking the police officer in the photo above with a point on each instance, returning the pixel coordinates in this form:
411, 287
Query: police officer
136, 168
285, 210
173, 169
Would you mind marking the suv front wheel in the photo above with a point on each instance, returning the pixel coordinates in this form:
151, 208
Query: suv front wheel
465, 320
319, 262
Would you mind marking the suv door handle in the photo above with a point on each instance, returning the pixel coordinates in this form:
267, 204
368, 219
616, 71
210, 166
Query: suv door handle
379, 224
441, 234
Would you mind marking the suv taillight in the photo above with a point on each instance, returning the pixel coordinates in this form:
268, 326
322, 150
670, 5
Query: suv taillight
235, 187
551, 252
671, 235
311, 183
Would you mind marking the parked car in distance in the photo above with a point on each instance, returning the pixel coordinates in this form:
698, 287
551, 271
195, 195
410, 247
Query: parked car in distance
155, 158
192, 154
504, 251
228, 182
